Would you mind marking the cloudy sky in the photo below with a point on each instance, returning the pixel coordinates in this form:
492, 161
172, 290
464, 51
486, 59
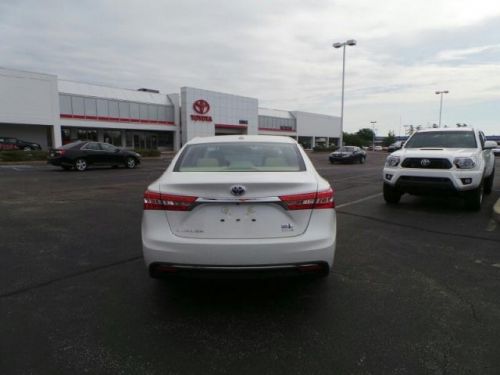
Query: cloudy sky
277, 51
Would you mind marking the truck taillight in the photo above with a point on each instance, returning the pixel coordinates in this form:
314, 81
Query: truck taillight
168, 202
308, 201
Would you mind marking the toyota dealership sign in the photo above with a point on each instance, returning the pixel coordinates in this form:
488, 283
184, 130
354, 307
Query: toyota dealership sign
201, 107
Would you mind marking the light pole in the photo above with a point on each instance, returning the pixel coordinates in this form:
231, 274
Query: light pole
350, 42
373, 134
441, 103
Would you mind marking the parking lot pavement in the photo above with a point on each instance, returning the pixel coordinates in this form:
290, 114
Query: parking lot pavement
414, 288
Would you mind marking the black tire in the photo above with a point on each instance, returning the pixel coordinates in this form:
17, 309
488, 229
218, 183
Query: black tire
488, 183
80, 164
130, 163
362, 160
391, 195
474, 198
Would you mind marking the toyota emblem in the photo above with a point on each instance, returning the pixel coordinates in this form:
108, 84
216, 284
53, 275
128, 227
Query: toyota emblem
201, 106
238, 190
425, 162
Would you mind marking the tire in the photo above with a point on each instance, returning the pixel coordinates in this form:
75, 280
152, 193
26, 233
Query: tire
362, 160
80, 165
130, 163
391, 195
488, 183
474, 198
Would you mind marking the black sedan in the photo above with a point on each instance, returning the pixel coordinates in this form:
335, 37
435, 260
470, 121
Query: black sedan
348, 154
10, 143
80, 154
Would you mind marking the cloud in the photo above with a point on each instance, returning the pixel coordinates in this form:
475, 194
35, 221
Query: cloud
461, 54
278, 51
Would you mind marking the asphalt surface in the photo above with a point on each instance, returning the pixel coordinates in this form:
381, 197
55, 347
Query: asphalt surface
415, 287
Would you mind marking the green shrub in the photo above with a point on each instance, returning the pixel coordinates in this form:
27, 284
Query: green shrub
147, 153
23, 155
324, 148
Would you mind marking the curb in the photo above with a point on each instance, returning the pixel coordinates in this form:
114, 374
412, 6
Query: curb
496, 210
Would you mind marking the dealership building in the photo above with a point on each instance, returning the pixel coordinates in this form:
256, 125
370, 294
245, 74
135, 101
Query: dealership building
44, 109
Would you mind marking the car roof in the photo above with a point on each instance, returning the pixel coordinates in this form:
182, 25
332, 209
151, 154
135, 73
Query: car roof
242, 138
446, 130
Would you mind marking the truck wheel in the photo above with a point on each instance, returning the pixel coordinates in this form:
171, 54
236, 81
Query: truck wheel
391, 194
474, 198
488, 182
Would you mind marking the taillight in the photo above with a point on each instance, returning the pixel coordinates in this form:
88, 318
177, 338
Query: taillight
167, 202
308, 201
324, 199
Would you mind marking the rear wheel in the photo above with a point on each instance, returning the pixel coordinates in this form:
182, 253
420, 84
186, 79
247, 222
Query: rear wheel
130, 163
474, 198
80, 165
488, 182
391, 194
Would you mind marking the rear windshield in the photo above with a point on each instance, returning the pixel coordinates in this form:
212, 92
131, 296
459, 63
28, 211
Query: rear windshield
346, 149
68, 146
448, 139
240, 157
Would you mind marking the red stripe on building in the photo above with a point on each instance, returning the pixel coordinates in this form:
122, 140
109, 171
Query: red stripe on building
277, 130
230, 126
115, 119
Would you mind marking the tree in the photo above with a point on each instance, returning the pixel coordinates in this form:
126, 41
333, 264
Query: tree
389, 140
366, 134
353, 140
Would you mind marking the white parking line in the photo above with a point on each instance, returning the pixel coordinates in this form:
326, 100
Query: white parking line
358, 200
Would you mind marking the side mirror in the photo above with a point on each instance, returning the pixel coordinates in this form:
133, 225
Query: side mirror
488, 145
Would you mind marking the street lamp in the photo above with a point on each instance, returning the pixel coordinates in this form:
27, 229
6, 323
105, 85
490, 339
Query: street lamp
441, 104
350, 42
373, 134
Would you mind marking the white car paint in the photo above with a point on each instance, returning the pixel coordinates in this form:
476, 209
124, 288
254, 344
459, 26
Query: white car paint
258, 230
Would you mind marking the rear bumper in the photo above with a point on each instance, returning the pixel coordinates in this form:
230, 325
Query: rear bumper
60, 162
316, 245
348, 159
160, 270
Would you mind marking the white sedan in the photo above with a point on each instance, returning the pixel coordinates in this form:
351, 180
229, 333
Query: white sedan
239, 204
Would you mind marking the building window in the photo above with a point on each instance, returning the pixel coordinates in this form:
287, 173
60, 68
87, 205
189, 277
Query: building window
78, 105
143, 111
124, 108
113, 109
65, 104
134, 111
114, 137
87, 134
90, 107
152, 112
102, 108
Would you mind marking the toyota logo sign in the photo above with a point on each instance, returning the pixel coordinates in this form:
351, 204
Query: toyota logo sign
201, 106
425, 162
238, 190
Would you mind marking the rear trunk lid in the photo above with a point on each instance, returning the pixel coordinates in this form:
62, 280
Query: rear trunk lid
257, 213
